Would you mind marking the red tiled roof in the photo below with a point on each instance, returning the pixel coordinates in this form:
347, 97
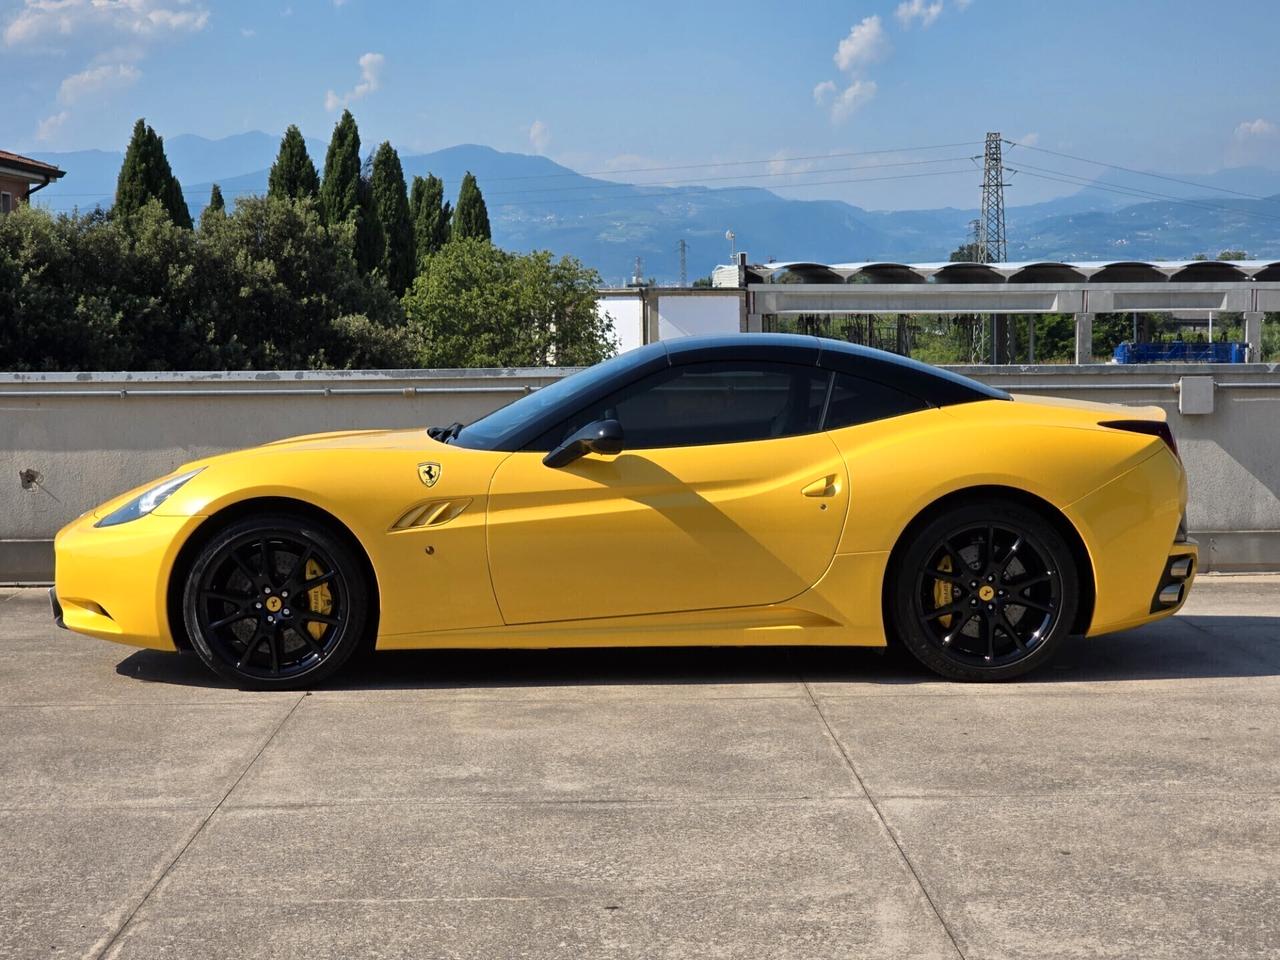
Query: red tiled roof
27, 165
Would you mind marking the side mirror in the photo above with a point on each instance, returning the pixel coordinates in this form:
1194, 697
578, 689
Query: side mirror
603, 436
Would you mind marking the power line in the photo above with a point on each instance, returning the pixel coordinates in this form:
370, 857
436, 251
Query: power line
1140, 173
1071, 179
668, 195
738, 176
777, 186
730, 163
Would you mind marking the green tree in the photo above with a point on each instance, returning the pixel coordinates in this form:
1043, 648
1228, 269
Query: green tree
1233, 255
146, 175
370, 240
471, 216
340, 189
293, 175
966, 253
265, 286
391, 208
473, 304
430, 214
287, 293
216, 207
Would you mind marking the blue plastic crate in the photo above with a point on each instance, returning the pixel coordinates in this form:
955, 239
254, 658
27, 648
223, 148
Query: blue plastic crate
1180, 351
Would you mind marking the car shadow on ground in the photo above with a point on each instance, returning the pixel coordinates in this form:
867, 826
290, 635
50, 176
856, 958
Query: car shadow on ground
1189, 647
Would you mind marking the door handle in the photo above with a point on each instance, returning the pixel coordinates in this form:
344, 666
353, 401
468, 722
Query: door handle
822, 487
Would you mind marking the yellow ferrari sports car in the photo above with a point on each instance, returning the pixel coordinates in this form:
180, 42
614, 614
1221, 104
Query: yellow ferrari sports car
752, 489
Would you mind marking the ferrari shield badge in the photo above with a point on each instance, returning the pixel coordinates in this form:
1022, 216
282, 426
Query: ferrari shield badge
429, 473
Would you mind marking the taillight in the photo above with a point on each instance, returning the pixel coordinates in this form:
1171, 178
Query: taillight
1153, 428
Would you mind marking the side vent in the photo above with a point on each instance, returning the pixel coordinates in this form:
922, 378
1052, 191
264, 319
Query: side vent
433, 513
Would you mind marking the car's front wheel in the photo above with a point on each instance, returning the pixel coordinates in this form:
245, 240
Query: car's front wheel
985, 591
275, 601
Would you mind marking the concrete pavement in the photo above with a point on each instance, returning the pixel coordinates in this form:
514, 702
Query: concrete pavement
649, 803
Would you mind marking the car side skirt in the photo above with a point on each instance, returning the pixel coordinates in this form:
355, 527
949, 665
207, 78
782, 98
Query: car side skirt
842, 609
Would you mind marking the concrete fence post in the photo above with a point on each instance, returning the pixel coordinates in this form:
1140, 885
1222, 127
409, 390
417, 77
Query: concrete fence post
1253, 335
1084, 338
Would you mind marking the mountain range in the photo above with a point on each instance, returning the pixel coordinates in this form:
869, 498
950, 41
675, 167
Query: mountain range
535, 203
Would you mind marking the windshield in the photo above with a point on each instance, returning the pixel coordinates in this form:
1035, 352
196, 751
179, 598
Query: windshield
489, 432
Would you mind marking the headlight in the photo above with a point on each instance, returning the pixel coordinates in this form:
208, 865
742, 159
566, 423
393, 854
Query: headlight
144, 503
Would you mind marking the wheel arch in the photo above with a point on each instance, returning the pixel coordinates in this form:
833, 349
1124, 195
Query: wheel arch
244, 508
1061, 522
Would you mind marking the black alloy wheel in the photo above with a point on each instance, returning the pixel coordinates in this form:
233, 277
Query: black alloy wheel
275, 602
986, 591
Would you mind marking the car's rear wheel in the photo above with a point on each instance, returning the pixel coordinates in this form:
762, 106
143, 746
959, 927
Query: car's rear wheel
985, 591
275, 601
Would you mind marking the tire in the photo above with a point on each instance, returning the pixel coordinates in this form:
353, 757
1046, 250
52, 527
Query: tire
276, 601
971, 612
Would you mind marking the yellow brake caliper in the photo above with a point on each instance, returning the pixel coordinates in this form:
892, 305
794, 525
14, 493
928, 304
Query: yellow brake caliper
942, 592
319, 599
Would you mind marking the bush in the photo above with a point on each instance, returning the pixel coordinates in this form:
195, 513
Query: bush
265, 286
474, 305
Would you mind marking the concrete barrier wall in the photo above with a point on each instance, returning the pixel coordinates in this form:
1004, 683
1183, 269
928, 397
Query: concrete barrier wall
71, 441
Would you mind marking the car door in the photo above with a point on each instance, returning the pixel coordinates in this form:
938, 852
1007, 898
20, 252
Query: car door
726, 494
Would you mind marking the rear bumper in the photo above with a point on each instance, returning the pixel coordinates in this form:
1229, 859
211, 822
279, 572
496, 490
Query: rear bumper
1179, 574
1132, 528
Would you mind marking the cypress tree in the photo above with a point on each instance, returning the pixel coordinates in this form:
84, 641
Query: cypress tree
391, 208
216, 202
293, 175
430, 214
370, 241
471, 217
340, 189
146, 175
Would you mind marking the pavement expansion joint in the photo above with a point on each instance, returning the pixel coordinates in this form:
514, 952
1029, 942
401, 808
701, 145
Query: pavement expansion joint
906, 860
128, 919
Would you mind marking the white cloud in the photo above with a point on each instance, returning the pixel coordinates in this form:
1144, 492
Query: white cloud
780, 165
911, 10
851, 99
248, 32
370, 78
963, 5
1256, 128
1028, 139
1254, 142
104, 79
47, 128
866, 43
823, 90
53, 20
539, 135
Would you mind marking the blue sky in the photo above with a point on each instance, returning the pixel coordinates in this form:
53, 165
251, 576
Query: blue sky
1183, 87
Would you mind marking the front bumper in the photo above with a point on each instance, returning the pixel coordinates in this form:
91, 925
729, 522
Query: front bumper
58, 621
112, 582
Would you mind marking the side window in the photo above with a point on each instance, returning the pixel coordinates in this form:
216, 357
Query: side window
854, 401
6, 202
705, 403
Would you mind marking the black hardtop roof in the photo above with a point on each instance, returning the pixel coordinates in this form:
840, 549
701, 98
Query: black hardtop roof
937, 386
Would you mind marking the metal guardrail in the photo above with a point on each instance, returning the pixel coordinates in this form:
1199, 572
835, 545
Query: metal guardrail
1226, 384
267, 392
410, 392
